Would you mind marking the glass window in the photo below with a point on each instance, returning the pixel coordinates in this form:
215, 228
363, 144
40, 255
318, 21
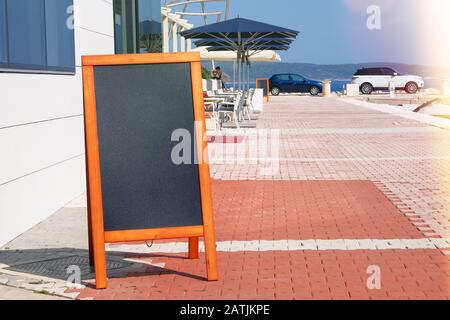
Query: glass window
59, 34
125, 26
37, 35
362, 72
26, 33
378, 72
3, 44
137, 26
150, 29
388, 72
296, 77
283, 77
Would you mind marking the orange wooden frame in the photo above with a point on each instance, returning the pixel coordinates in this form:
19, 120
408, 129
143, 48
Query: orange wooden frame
268, 86
97, 235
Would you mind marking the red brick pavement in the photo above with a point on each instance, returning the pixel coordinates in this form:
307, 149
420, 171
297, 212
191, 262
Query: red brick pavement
303, 210
296, 210
292, 210
405, 274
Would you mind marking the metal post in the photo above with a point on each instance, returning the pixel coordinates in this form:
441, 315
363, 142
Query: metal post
239, 68
239, 59
234, 74
245, 75
249, 70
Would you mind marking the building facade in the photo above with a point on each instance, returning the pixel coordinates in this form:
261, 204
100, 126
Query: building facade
42, 165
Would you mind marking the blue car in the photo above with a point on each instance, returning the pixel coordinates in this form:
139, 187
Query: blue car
294, 83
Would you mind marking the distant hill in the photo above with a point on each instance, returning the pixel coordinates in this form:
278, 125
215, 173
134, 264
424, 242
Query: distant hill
341, 72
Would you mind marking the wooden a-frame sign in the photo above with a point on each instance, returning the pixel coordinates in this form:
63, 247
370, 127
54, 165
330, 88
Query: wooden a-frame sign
97, 69
264, 83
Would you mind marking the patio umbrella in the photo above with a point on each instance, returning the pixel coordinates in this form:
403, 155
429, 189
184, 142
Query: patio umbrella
249, 54
242, 36
249, 43
226, 55
230, 56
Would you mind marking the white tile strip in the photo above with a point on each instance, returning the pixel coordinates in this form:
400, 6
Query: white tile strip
293, 245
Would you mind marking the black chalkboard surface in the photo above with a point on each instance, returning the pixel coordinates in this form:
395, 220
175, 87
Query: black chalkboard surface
263, 83
138, 109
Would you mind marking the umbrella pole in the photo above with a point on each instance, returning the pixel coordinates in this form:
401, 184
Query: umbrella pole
248, 77
239, 70
249, 70
234, 74
246, 72
243, 74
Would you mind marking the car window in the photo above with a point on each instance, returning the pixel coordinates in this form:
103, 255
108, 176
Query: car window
376, 72
282, 77
296, 77
388, 72
370, 72
362, 72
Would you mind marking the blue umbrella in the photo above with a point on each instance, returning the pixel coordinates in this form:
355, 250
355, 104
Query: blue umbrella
249, 43
239, 28
243, 36
246, 49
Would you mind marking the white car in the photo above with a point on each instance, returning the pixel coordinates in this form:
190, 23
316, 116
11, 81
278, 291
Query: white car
378, 79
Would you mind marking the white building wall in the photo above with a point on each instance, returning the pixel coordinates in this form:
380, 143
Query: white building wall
41, 130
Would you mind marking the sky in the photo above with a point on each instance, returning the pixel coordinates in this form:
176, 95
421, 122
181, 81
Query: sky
336, 31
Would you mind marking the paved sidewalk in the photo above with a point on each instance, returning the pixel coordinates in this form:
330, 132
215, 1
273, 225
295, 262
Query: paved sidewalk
10, 293
354, 192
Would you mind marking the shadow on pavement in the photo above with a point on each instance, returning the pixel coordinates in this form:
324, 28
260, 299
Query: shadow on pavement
60, 264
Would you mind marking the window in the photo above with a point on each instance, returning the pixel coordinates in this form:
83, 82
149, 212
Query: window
125, 26
377, 72
362, 72
3, 43
36, 36
26, 33
150, 29
283, 77
59, 33
388, 72
137, 26
297, 78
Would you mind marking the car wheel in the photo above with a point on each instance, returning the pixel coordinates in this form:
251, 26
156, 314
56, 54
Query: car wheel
366, 88
411, 87
275, 91
314, 91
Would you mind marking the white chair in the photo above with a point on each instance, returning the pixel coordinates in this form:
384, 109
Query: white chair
231, 110
248, 104
211, 107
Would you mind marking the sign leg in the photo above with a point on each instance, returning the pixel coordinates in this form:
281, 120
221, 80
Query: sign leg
211, 255
193, 248
91, 246
100, 265
89, 217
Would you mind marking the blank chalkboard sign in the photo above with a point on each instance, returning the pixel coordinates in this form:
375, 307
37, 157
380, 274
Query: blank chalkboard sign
134, 106
263, 83
142, 188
